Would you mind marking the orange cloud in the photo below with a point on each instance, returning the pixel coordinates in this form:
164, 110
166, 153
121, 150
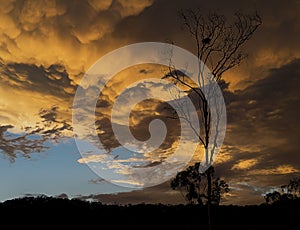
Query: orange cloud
48, 32
280, 170
245, 164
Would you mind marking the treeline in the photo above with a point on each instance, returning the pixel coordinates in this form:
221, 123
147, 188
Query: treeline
58, 213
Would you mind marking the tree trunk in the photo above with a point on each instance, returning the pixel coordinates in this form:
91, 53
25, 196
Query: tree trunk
209, 193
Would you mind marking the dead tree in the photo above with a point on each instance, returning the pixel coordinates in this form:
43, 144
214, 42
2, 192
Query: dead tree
218, 42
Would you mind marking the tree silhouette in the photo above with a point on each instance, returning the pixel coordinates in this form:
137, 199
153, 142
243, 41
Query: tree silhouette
193, 185
293, 187
218, 46
52, 211
285, 193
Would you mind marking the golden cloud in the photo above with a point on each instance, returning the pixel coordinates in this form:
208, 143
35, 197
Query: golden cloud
100, 5
280, 170
130, 182
133, 7
245, 164
48, 32
223, 157
21, 107
92, 158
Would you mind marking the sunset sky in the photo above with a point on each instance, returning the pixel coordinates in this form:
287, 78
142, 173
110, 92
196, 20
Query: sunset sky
47, 46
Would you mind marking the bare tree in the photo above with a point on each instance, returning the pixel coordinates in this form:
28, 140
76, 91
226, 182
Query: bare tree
218, 43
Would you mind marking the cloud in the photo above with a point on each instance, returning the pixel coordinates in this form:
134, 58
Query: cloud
73, 34
12, 145
92, 158
33, 139
281, 169
97, 181
245, 164
262, 131
111, 160
270, 124
122, 90
27, 92
100, 5
280, 25
53, 127
128, 182
53, 80
133, 7
162, 194
244, 193
80, 32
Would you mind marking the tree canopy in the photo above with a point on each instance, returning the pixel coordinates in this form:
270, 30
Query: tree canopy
193, 185
285, 193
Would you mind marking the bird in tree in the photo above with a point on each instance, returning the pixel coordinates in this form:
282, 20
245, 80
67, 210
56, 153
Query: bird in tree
206, 40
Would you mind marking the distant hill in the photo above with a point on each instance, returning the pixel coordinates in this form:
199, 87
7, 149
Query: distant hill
55, 212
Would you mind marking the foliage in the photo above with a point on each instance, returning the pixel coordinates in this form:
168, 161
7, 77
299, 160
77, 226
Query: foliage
193, 185
288, 192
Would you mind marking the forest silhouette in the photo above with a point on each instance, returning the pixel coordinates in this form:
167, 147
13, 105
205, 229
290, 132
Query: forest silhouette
58, 212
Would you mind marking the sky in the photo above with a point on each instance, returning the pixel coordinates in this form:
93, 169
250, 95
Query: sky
47, 48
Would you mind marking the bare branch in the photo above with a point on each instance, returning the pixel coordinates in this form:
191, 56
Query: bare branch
218, 43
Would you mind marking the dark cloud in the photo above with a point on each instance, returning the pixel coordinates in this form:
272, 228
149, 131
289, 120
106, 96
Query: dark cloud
267, 112
11, 145
140, 127
97, 181
53, 127
158, 194
275, 42
33, 139
145, 71
264, 130
53, 80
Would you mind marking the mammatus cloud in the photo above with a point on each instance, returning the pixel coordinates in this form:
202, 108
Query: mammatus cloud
45, 47
76, 34
73, 34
